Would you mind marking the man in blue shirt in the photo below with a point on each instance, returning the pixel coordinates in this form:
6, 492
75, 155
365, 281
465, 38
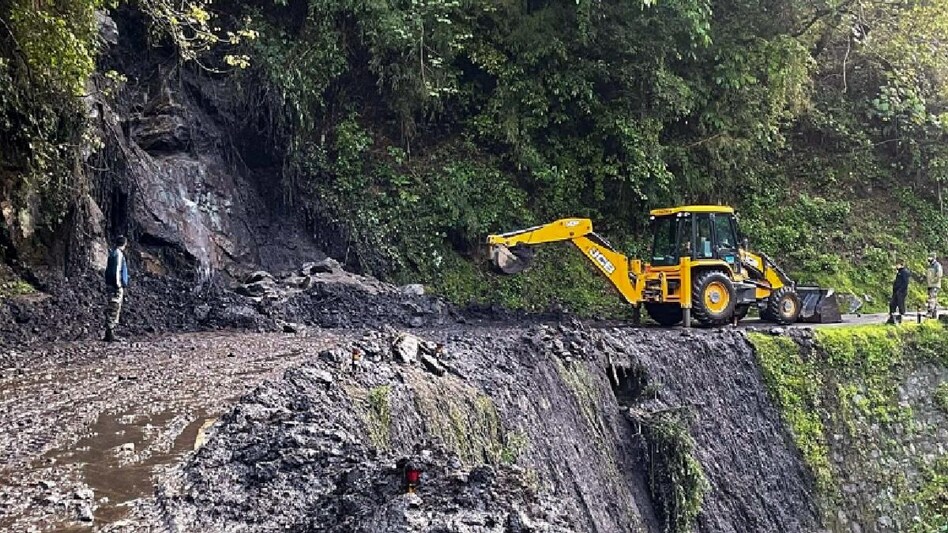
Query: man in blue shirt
116, 280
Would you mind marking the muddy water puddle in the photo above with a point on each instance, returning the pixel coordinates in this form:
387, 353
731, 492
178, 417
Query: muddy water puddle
120, 454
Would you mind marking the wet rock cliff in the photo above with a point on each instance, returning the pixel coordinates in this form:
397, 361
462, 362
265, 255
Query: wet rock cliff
544, 429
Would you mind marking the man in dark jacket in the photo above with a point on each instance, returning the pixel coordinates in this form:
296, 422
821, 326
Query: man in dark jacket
899, 293
116, 280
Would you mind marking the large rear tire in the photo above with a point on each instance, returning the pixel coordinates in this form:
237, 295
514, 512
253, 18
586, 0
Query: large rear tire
783, 306
666, 315
713, 298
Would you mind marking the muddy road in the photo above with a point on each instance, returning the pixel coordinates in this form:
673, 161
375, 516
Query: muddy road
86, 425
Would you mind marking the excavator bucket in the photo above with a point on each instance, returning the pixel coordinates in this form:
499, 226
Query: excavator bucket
818, 305
511, 260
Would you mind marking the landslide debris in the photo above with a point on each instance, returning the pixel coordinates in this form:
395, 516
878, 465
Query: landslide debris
321, 450
518, 429
319, 294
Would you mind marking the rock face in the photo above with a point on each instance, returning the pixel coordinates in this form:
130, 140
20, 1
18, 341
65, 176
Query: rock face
182, 174
757, 480
524, 431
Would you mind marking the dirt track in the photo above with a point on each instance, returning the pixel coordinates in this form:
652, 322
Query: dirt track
64, 421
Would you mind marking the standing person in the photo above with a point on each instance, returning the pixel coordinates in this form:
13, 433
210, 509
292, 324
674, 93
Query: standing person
116, 280
933, 277
899, 293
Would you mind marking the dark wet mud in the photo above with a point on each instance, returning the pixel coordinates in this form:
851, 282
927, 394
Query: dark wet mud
85, 431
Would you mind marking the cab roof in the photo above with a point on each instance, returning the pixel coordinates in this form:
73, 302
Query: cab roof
691, 209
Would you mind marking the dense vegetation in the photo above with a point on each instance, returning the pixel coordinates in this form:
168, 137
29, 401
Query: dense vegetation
425, 124
863, 405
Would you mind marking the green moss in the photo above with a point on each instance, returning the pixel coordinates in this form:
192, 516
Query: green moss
379, 418
941, 396
850, 387
795, 385
676, 479
10, 289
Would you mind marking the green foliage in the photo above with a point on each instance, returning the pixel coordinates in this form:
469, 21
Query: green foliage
48, 55
488, 117
795, 386
932, 500
380, 416
848, 387
192, 28
676, 479
57, 41
546, 111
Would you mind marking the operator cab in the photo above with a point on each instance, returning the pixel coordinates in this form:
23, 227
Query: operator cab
696, 232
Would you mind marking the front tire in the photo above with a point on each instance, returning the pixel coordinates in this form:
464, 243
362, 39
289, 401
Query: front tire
666, 315
713, 298
783, 306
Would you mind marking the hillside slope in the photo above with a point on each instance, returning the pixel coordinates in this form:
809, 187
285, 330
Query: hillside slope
394, 137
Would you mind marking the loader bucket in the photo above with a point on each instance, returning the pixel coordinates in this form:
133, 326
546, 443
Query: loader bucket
818, 305
511, 260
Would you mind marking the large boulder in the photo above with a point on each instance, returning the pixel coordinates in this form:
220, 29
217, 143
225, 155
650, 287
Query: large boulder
323, 266
405, 348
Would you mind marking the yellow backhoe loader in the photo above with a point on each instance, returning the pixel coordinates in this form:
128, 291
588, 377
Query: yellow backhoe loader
700, 268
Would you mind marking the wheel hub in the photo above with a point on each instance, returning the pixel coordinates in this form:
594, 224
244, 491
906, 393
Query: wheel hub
716, 297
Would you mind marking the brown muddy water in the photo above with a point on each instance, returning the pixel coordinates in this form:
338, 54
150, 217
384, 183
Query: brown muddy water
119, 474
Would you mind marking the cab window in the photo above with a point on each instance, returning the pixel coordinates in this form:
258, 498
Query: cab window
703, 239
724, 231
665, 245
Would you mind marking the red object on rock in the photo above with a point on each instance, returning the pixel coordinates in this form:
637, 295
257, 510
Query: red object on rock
412, 477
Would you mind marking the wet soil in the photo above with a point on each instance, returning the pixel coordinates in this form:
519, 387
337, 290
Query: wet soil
534, 403
108, 417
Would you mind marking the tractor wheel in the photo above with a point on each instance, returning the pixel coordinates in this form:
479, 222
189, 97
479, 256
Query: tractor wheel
665, 314
783, 306
713, 298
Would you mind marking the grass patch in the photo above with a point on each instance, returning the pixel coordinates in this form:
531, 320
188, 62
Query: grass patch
676, 480
795, 386
379, 420
467, 422
581, 383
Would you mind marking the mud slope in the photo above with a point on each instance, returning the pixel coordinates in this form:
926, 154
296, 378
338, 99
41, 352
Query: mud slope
517, 430
758, 480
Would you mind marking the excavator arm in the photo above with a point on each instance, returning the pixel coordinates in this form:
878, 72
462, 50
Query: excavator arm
512, 252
